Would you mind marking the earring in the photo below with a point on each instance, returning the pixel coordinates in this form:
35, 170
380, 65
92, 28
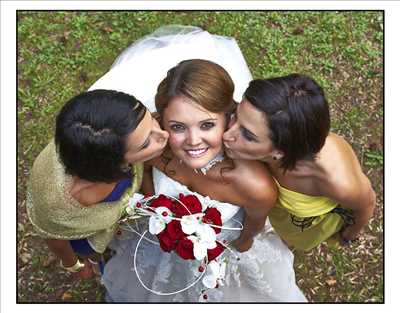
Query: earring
126, 168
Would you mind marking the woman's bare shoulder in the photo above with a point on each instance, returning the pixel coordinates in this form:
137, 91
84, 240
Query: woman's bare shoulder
253, 180
339, 152
341, 170
89, 193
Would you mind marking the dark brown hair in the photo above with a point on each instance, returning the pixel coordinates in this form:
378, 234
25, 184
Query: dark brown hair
297, 115
91, 133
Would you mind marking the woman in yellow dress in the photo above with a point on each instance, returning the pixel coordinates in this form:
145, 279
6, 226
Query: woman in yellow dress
81, 182
323, 192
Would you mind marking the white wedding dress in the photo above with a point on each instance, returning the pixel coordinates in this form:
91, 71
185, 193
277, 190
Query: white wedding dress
262, 274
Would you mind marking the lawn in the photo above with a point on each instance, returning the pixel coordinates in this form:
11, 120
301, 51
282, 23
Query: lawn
61, 53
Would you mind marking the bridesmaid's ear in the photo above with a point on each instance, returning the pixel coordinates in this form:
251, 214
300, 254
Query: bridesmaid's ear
231, 115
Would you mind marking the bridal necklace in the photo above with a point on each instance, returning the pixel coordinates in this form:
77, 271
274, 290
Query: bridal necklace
218, 158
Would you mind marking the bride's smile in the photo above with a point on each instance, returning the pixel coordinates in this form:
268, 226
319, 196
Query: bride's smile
195, 134
196, 153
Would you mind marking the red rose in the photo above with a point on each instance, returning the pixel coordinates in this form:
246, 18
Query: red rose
166, 242
190, 201
162, 200
213, 253
174, 230
185, 249
213, 216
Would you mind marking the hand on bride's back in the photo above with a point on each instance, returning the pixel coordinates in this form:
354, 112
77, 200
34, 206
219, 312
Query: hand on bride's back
242, 246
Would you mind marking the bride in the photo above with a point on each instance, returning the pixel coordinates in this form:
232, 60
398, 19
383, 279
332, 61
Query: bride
194, 102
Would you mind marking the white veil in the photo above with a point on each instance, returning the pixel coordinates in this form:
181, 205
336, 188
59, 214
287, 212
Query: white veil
140, 68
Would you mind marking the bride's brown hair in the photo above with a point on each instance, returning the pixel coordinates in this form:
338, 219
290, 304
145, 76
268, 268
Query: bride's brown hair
204, 82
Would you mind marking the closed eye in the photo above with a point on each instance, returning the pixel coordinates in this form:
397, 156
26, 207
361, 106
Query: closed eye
247, 135
146, 144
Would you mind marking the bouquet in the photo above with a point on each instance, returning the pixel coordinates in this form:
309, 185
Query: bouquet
188, 228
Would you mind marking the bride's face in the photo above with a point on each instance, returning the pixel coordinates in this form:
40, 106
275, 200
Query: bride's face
146, 142
195, 134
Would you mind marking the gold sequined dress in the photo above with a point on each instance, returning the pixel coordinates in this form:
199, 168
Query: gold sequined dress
54, 213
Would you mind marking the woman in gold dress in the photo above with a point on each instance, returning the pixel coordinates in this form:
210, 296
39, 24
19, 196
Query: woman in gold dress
81, 182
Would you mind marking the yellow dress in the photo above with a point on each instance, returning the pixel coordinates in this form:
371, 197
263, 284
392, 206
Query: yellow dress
55, 214
304, 221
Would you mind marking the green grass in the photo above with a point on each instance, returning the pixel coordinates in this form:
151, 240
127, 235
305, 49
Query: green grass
60, 54
374, 158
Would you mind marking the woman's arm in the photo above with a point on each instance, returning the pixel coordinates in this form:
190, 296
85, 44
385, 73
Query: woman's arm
361, 199
258, 195
346, 183
251, 227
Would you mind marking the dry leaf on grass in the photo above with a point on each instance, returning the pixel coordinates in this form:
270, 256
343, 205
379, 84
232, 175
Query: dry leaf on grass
331, 282
48, 260
66, 296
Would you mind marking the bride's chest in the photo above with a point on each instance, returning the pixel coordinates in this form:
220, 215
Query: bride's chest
216, 189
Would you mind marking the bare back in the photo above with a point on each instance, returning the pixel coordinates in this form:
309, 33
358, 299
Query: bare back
89, 193
335, 168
